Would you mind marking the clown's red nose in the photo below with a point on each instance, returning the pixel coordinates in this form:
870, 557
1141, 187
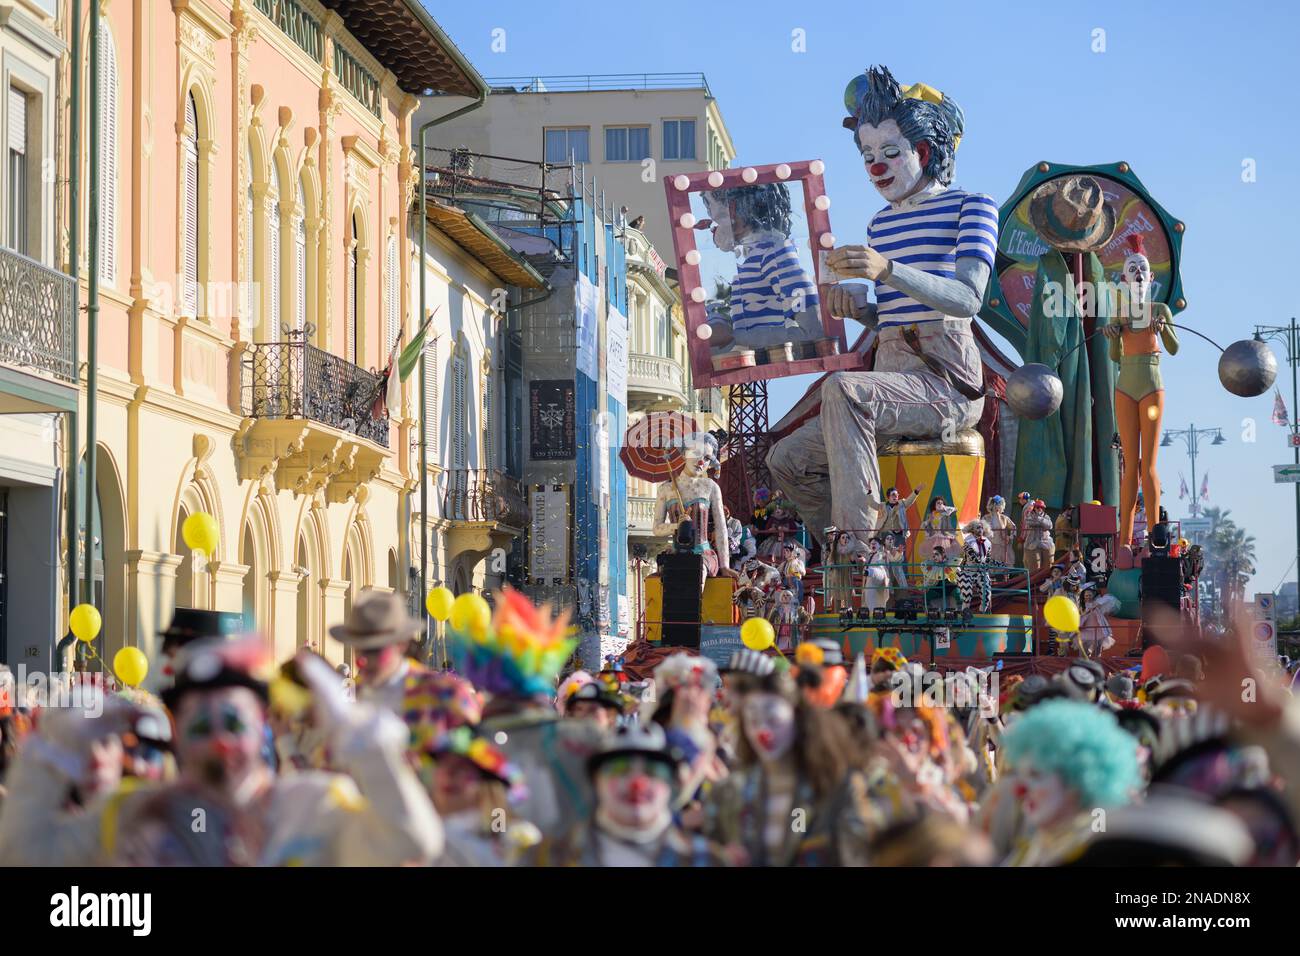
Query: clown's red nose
222, 747
1019, 791
639, 788
878, 169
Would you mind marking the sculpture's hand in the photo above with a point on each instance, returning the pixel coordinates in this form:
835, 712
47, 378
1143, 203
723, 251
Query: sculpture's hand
859, 262
846, 301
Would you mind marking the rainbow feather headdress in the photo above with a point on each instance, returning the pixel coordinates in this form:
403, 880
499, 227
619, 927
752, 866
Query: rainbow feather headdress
517, 653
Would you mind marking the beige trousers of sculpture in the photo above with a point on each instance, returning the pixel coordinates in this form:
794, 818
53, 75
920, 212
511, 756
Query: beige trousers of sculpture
828, 464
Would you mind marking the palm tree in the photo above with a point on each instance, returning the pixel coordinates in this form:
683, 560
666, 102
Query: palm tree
1230, 557
1221, 525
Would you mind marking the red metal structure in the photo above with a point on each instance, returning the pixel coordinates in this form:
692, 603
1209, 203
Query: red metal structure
744, 454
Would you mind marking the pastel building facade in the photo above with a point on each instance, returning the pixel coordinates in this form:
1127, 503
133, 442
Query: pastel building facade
253, 272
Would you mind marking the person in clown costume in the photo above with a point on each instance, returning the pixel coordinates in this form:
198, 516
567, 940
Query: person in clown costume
1066, 760
930, 254
795, 763
374, 814
1002, 531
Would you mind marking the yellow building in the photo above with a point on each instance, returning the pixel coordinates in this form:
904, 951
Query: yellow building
253, 272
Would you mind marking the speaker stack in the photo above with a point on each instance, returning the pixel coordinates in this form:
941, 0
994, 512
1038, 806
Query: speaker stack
1162, 598
680, 575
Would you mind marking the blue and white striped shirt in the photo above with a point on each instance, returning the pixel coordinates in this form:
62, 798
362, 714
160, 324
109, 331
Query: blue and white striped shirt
930, 236
770, 287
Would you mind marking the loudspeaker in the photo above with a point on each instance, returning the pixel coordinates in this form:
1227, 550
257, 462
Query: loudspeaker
1162, 598
680, 573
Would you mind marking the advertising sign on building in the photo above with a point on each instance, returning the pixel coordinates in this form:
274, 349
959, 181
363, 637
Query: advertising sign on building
616, 356
549, 534
552, 420
588, 299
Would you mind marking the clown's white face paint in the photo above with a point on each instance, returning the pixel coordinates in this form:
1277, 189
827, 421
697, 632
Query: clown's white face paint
1045, 798
632, 793
895, 166
723, 232
699, 457
220, 740
1137, 276
769, 725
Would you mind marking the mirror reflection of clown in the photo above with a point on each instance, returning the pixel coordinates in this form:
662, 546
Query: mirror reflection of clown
931, 255
1135, 337
773, 298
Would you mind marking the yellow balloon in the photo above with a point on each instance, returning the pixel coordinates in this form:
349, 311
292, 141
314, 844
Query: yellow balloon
1062, 614
200, 532
84, 622
130, 665
439, 603
471, 614
757, 634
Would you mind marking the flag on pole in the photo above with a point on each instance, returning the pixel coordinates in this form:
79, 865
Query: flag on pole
401, 363
1205, 487
1279, 409
1182, 487
411, 354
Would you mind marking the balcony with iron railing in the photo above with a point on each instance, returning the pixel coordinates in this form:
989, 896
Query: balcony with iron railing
311, 418
477, 495
483, 510
37, 325
654, 383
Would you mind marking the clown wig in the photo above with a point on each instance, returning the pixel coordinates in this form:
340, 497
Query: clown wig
1083, 745
880, 98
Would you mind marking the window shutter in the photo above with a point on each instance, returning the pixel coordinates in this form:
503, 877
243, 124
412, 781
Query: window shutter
300, 277
17, 121
431, 399
107, 157
458, 414
392, 315
489, 431
250, 261
273, 233
191, 211
352, 303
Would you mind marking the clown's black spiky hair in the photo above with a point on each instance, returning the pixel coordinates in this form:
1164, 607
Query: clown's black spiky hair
881, 98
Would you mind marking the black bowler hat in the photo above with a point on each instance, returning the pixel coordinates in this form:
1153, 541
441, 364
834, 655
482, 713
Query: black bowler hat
192, 623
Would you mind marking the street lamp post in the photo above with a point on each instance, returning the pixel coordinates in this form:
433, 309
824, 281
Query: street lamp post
1289, 337
1191, 437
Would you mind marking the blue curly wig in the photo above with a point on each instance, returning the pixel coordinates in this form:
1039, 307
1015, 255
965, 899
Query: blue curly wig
1085, 746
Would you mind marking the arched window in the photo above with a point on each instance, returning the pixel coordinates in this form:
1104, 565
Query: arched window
393, 312
107, 156
354, 288
300, 262
190, 213
277, 253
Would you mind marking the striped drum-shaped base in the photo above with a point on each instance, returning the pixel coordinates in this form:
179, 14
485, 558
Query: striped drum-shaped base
952, 470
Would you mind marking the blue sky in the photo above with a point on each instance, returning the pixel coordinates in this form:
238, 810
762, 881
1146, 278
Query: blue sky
1184, 92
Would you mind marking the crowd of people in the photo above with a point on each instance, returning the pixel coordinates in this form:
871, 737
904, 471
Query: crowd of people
512, 757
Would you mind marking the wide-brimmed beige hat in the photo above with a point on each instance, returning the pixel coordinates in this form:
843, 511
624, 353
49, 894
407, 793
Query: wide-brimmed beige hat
1070, 214
377, 619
